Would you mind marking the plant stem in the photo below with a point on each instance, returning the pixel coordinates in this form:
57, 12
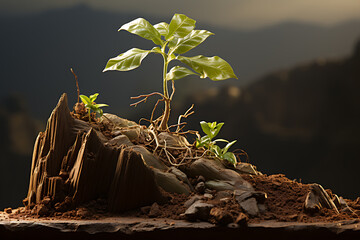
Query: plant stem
89, 116
165, 118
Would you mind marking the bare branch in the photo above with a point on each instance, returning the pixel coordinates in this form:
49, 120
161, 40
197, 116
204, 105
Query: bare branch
77, 84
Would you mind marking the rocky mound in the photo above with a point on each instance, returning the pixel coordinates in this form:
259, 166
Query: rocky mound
115, 166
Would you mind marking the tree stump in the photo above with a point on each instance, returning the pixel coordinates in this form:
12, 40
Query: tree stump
72, 160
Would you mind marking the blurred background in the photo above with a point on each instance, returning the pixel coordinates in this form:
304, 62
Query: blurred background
295, 108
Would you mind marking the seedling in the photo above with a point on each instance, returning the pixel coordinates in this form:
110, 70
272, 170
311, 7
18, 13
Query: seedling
211, 130
172, 40
91, 105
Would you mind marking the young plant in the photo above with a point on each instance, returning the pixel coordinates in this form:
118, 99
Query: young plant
211, 130
172, 40
91, 105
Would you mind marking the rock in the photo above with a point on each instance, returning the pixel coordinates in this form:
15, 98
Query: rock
200, 187
246, 168
223, 194
172, 140
149, 158
132, 133
318, 198
191, 201
241, 195
219, 185
117, 121
120, 140
170, 183
198, 211
221, 217
181, 176
214, 170
242, 219
200, 179
8, 210
154, 210
250, 206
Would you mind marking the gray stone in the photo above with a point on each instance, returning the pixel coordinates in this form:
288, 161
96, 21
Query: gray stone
117, 121
191, 201
241, 195
120, 140
181, 176
169, 182
131, 133
149, 158
214, 170
172, 140
200, 187
220, 185
250, 206
198, 211
246, 168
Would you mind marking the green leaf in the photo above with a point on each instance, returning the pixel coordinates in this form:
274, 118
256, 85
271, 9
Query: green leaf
221, 140
180, 26
93, 97
144, 29
203, 141
226, 148
214, 68
217, 129
156, 50
193, 39
162, 28
178, 72
217, 150
101, 105
85, 99
205, 127
230, 157
127, 61
212, 125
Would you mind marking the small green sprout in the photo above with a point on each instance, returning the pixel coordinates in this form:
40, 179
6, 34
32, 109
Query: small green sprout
211, 130
91, 105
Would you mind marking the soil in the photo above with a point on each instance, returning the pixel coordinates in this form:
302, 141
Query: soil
284, 203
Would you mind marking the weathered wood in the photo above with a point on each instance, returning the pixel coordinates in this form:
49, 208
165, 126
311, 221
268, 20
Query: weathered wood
73, 160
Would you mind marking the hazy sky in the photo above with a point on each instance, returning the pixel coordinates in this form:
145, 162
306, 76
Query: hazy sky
226, 13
